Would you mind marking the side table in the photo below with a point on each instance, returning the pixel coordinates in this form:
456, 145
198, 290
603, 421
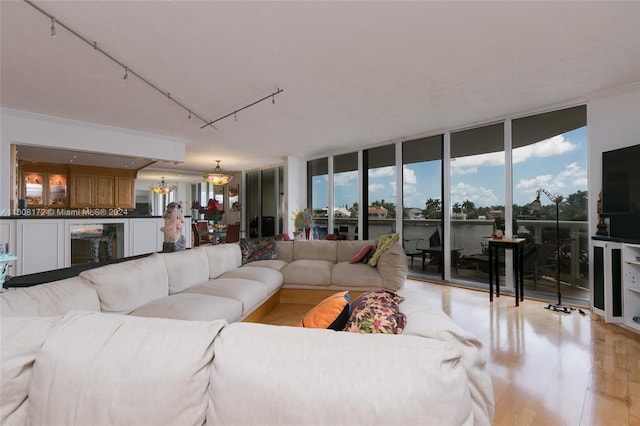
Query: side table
517, 245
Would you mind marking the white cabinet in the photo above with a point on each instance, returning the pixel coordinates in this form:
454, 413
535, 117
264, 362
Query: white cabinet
631, 284
606, 297
39, 245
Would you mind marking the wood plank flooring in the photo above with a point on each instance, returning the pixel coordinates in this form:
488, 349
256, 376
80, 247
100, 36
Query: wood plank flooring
547, 368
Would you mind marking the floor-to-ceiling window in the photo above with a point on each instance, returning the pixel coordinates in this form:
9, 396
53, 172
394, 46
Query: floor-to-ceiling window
550, 156
477, 194
318, 195
380, 193
422, 204
346, 187
543, 151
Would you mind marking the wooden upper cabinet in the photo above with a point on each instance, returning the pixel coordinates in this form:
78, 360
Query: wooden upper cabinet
125, 192
81, 191
98, 187
105, 191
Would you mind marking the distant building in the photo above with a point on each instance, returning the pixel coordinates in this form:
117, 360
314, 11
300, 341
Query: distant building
341, 212
458, 216
413, 213
377, 212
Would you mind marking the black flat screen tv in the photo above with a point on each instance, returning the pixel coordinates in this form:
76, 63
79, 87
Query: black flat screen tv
621, 182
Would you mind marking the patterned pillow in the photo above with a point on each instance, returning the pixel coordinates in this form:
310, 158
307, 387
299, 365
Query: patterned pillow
257, 249
377, 312
384, 242
333, 312
361, 254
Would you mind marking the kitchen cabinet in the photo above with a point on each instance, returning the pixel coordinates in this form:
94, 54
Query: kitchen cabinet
44, 185
99, 187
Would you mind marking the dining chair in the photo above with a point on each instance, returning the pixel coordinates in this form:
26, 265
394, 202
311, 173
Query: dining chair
233, 233
203, 232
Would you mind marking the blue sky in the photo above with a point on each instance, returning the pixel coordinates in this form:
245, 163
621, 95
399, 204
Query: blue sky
558, 164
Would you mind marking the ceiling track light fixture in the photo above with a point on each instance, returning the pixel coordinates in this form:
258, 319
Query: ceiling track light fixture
161, 189
235, 113
128, 70
216, 177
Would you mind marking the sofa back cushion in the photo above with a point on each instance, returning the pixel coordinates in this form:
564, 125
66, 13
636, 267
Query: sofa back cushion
50, 299
99, 369
315, 250
124, 286
21, 338
186, 268
223, 258
347, 249
302, 376
285, 250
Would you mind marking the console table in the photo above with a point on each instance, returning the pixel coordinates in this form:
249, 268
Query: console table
517, 245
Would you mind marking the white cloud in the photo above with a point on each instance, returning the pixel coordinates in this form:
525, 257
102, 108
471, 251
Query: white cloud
375, 187
469, 164
382, 172
480, 195
534, 183
572, 177
556, 145
345, 179
409, 176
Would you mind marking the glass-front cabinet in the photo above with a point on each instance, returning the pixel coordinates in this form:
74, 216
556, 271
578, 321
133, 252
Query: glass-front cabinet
44, 185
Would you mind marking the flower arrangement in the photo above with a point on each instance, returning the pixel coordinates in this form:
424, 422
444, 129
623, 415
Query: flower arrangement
213, 212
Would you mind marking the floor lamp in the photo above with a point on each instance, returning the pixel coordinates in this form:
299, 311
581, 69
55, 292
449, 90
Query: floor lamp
537, 206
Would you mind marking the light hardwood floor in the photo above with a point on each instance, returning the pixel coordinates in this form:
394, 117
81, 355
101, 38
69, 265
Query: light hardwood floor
547, 368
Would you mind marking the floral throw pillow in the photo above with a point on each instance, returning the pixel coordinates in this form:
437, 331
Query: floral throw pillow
377, 312
258, 249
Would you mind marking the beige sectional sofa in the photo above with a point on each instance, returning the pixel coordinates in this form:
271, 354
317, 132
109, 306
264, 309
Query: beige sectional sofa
70, 356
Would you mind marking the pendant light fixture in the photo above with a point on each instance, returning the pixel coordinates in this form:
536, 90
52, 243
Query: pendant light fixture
216, 177
161, 189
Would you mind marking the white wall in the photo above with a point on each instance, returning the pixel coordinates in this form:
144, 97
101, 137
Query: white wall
32, 129
613, 120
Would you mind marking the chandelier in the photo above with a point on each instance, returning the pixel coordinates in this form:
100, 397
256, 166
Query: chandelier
216, 177
161, 189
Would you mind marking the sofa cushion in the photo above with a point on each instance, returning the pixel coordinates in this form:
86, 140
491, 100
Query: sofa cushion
384, 243
249, 293
315, 250
223, 258
99, 369
285, 250
355, 275
333, 312
55, 298
308, 272
275, 264
376, 312
269, 277
192, 307
426, 320
392, 267
186, 268
124, 286
288, 376
21, 339
345, 250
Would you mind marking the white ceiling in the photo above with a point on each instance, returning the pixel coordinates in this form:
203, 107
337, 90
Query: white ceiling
354, 74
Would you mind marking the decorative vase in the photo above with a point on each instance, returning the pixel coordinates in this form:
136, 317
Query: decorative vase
307, 231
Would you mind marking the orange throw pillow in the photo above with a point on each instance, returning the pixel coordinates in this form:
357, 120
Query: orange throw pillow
333, 312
